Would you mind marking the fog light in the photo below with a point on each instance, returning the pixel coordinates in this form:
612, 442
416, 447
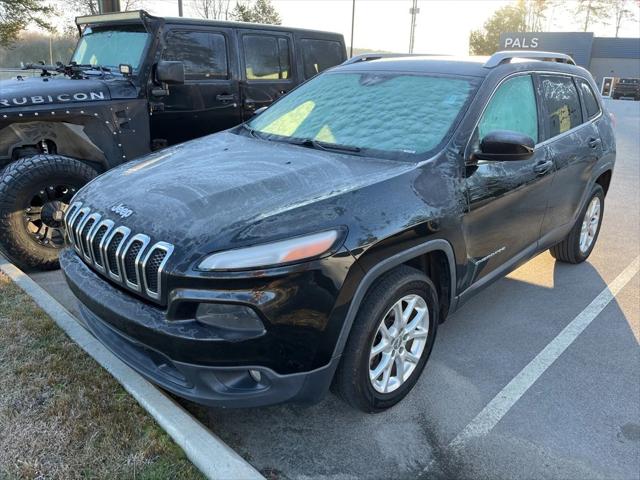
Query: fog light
238, 318
256, 375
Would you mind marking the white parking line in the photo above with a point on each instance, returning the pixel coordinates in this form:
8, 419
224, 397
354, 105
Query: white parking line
207, 452
498, 407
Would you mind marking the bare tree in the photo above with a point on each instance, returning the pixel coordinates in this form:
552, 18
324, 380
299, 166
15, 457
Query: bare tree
594, 11
90, 7
536, 14
621, 12
213, 9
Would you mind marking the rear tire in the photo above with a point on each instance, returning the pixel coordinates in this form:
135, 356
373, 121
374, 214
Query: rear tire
406, 350
576, 248
34, 192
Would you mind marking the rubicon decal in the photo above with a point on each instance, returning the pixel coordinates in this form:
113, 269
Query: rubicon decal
59, 98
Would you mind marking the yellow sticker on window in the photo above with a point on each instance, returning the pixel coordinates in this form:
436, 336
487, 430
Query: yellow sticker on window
564, 118
288, 123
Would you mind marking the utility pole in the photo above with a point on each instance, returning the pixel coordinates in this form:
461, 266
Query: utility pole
50, 50
108, 6
353, 20
414, 10
179, 8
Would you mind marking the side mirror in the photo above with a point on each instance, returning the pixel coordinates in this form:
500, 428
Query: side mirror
259, 111
171, 73
505, 145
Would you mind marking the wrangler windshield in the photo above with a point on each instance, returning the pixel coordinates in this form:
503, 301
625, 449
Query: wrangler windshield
388, 113
111, 46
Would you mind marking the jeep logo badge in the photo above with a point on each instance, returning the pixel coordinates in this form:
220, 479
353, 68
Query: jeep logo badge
122, 210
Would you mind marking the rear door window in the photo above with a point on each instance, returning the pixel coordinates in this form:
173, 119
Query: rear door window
589, 98
560, 97
266, 57
204, 54
513, 107
318, 55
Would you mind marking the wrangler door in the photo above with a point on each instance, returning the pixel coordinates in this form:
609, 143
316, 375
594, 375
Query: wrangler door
208, 101
506, 199
267, 68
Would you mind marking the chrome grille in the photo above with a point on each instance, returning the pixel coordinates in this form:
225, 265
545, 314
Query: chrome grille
127, 259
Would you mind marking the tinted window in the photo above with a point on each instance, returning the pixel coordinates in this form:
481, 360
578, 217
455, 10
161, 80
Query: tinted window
512, 107
266, 57
562, 104
590, 102
369, 110
318, 55
204, 54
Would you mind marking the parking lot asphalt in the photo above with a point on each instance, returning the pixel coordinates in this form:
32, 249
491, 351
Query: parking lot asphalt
580, 419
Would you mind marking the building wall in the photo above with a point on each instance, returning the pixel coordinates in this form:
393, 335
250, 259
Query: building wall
614, 67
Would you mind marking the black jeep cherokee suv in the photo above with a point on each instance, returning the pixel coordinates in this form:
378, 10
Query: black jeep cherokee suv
323, 241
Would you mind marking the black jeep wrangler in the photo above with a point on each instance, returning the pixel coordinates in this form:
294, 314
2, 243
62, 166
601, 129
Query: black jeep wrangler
325, 239
136, 83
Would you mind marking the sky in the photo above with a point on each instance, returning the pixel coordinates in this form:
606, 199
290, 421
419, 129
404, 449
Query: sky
442, 26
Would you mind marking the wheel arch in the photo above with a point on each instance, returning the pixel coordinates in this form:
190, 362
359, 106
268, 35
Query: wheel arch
421, 257
70, 140
604, 180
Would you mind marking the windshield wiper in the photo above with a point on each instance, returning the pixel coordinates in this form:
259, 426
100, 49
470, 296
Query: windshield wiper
320, 145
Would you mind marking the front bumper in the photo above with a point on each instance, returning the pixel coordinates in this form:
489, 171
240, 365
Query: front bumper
168, 353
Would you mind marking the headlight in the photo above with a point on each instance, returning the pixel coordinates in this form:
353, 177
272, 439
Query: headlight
272, 254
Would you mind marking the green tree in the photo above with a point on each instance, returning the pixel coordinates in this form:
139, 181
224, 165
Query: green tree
259, 11
16, 15
593, 11
510, 18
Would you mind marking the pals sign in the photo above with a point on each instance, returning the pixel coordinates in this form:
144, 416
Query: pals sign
517, 42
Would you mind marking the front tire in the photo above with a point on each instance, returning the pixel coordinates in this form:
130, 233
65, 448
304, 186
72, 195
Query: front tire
390, 341
34, 193
578, 245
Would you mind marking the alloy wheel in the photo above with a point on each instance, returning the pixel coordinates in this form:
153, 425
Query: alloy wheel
590, 224
399, 343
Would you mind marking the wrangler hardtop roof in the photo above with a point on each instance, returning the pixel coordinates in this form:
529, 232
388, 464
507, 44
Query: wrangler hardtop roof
140, 15
474, 66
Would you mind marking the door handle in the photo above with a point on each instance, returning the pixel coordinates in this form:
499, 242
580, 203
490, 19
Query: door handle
543, 167
225, 97
594, 142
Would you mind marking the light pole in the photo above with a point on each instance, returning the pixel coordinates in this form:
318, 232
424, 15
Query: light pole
414, 10
353, 19
108, 6
179, 8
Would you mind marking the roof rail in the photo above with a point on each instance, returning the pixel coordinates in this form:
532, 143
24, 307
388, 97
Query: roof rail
365, 57
506, 56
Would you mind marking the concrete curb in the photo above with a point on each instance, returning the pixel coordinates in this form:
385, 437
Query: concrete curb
208, 453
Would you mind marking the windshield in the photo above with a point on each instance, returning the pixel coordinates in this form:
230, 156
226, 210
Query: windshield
391, 113
111, 46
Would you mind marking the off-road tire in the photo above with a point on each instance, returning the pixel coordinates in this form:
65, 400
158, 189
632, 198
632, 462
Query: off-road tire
351, 381
568, 250
17, 181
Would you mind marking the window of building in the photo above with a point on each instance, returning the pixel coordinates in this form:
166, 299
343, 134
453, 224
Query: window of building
266, 57
204, 54
318, 55
590, 102
512, 107
562, 104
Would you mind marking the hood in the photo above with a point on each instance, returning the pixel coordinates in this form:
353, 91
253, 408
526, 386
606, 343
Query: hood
31, 91
205, 191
